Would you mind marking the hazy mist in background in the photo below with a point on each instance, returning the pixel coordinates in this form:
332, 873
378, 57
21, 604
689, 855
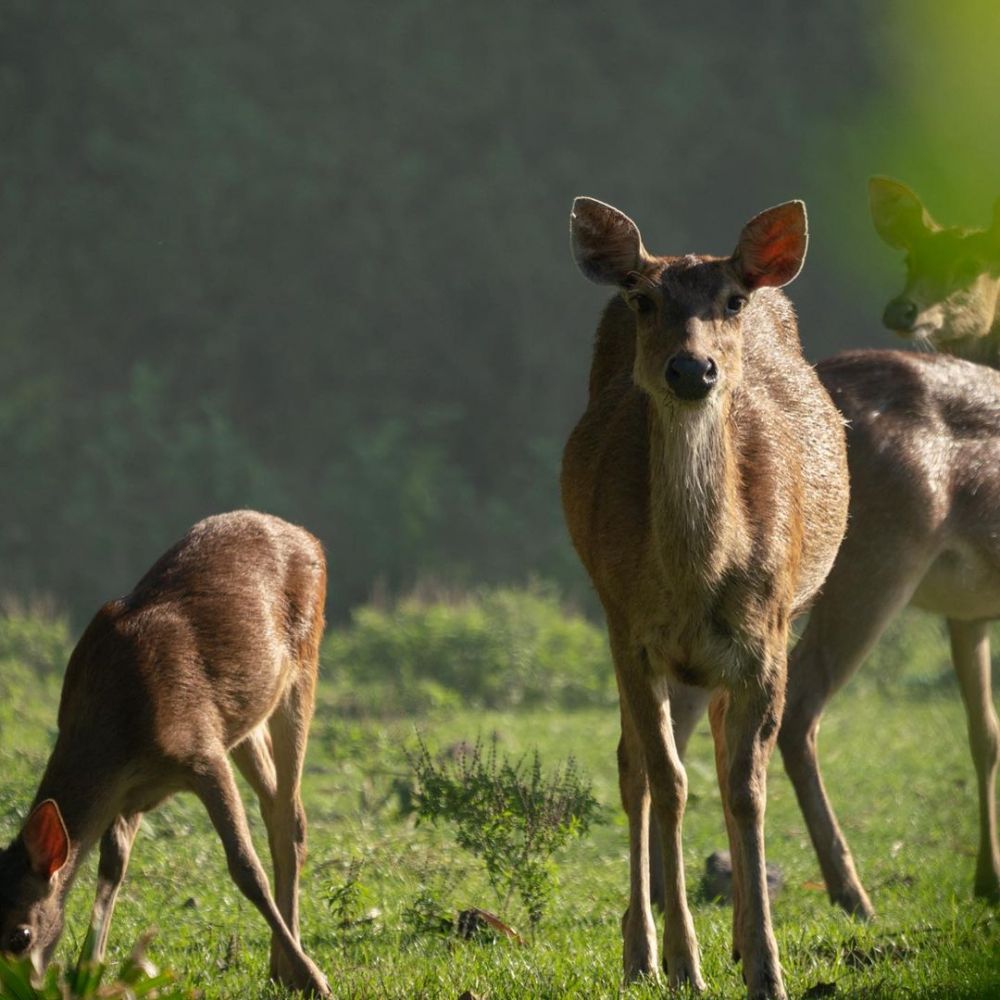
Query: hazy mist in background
313, 258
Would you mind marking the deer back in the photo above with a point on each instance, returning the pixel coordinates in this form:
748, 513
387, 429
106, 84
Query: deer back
204, 642
924, 450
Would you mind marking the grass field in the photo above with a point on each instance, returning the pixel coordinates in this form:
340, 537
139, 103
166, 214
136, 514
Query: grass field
896, 763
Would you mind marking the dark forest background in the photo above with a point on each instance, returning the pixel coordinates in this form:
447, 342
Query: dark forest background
313, 257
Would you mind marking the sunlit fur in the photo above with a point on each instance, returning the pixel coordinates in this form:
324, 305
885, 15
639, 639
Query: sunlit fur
705, 525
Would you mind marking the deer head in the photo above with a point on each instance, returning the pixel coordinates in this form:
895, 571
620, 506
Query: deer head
31, 908
952, 274
691, 313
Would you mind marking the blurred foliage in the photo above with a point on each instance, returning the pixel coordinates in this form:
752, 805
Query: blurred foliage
495, 648
927, 120
34, 636
314, 260
34, 647
88, 979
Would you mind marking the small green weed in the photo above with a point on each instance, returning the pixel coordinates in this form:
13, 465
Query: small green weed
511, 816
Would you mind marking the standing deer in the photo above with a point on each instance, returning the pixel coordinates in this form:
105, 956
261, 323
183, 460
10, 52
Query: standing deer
924, 528
214, 652
705, 490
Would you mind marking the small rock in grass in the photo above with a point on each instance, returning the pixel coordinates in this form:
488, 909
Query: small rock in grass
820, 990
717, 882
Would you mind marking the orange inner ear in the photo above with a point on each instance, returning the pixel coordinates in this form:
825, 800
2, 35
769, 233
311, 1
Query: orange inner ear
46, 839
777, 251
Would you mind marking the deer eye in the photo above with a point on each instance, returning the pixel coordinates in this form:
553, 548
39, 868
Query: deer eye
642, 304
18, 940
735, 304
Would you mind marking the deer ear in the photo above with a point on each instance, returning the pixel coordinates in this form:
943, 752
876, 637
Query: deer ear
899, 216
772, 246
606, 242
46, 839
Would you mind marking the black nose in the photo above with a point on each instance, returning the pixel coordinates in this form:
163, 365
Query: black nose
691, 377
900, 314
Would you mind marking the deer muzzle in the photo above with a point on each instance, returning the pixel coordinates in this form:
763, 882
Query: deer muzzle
691, 376
900, 315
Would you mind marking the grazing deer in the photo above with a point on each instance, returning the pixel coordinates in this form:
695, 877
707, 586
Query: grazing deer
214, 652
705, 489
924, 528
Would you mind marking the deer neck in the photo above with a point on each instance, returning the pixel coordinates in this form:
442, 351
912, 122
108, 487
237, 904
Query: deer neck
78, 783
981, 350
695, 512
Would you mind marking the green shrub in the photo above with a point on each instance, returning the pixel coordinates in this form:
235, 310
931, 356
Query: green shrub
496, 648
510, 815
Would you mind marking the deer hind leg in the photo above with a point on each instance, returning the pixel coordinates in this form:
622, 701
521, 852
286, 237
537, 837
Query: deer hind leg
646, 722
213, 782
970, 653
255, 760
116, 846
857, 603
289, 726
687, 706
752, 715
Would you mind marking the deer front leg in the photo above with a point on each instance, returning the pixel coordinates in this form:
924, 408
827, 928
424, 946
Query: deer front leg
116, 846
970, 653
752, 715
646, 722
215, 786
687, 706
639, 952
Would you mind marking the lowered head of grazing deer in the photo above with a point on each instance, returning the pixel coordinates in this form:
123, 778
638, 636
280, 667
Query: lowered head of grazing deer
705, 491
951, 300
31, 886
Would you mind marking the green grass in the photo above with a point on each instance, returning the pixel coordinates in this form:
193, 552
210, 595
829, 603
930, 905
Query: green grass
896, 764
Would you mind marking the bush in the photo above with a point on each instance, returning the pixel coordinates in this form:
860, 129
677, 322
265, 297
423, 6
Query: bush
512, 816
496, 648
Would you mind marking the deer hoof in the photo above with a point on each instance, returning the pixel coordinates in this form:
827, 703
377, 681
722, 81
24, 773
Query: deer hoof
855, 903
682, 973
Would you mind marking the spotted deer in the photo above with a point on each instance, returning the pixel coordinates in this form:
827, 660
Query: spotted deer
213, 653
923, 434
705, 491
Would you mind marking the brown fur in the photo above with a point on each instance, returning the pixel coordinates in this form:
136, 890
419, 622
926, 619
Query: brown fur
924, 453
214, 651
705, 526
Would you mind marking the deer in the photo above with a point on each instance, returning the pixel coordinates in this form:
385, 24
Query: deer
705, 492
213, 655
923, 436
